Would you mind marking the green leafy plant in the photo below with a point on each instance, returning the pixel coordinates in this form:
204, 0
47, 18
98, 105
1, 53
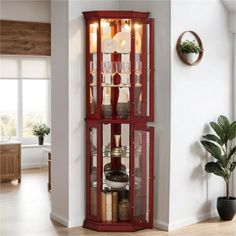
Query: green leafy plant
222, 147
190, 47
41, 130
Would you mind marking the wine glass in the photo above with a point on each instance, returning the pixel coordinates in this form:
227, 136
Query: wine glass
138, 71
124, 69
93, 68
106, 68
109, 68
113, 70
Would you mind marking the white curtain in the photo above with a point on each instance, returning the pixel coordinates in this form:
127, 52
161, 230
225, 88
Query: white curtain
20, 67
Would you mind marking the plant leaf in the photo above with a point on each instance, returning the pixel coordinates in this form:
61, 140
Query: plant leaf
219, 130
221, 164
232, 131
224, 122
213, 137
213, 167
214, 150
232, 152
232, 166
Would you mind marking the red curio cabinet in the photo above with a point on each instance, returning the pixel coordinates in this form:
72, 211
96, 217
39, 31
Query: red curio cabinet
119, 105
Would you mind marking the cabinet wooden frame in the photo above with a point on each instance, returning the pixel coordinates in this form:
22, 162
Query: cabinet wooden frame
134, 123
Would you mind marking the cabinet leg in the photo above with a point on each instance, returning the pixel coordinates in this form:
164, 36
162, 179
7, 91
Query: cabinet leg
19, 180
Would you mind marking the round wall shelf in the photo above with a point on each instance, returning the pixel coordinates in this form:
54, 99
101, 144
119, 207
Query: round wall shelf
182, 55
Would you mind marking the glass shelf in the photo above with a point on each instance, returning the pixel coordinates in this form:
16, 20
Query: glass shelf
116, 85
108, 156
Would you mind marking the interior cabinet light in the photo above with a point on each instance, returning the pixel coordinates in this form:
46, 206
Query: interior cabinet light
126, 27
105, 24
94, 25
137, 26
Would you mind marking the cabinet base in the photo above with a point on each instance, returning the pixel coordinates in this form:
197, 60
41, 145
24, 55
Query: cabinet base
9, 179
111, 227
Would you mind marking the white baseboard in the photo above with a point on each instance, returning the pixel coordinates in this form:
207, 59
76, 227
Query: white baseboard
161, 225
191, 220
184, 222
75, 223
33, 165
59, 219
66, 222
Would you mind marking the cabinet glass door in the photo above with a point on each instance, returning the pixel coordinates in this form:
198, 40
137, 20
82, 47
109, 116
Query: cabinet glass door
93, 68
143, 70
142, 177
93, 133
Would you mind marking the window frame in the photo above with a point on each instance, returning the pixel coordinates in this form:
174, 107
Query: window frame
19, 81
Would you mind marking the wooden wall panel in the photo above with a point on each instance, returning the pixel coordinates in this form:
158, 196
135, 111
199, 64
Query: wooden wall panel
25, 38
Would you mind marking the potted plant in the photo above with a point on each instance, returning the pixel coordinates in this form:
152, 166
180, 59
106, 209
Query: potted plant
190, 49
40, 131
222, 147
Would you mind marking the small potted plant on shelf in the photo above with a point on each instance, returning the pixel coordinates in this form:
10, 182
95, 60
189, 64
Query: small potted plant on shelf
191, 50
40, 131
222, 147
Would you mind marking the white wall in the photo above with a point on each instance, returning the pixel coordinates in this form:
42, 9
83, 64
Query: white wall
33, 10
232, 27
33, 157
60, 111
234, 102
77, 100
68, 109
199, 94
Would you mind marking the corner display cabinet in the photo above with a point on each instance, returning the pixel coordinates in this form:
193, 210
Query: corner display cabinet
119, 103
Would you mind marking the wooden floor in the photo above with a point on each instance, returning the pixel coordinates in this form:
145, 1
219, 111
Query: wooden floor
25, 210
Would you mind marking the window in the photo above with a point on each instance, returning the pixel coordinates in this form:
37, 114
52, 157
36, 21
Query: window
34, 101
8, 107
24, 96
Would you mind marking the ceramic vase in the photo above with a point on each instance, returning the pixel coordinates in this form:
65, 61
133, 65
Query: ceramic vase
106, 107
124, 209
107, 111
117, 151
122, 108
92, 103
117, 179
117, 140
191, 57
138, 99
41, 140
128, 98
107, 168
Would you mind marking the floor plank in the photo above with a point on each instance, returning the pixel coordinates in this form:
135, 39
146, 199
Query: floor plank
25, 209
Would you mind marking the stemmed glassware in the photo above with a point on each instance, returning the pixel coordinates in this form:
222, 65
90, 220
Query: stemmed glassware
124, 70
113, 70
138, 72
93, 68
109, 68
